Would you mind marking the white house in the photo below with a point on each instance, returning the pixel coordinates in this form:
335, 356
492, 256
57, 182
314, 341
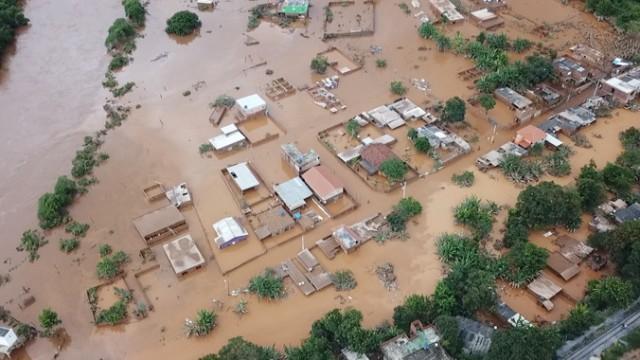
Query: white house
8, 340
251, 105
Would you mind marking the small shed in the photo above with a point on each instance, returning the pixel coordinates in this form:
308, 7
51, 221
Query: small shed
323, 183
562, 266
242, 176
293, 193
160, 224
251, 105
230, 232
184, 255
205, 4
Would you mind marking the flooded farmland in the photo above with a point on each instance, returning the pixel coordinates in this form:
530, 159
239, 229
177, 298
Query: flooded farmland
51, 97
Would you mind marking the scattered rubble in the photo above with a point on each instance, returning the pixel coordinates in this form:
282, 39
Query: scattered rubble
387, 276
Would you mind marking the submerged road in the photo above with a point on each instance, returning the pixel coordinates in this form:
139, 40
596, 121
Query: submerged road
615, 331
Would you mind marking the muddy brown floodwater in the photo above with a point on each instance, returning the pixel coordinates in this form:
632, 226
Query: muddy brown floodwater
50, 97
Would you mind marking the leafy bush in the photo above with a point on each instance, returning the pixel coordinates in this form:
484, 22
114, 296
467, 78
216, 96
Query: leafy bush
618, 179
104, 250
77, 229
415, 307
579, 320
319, 64
464, 179
394, 169
381, 63
31, 241
422, 144
524, 262
183, 23
238, 348
630, 138
204, 323
397, 88
625, 12
451, 340
352, 127
68, 245
111, 266
84, 161
11, 18
409, 206
121, 34
48, 320
454, 110
122, 90
343, 280
135, 11
520, 45
118, 62
548, 204
113, 315
519, 169
477, 216
557, 164
590, 187
525, 343
224, 101
205, 148
109, 81
267, 286
609, 293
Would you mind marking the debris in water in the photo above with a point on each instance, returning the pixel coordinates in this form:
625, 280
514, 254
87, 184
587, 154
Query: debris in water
386, 275
161, 56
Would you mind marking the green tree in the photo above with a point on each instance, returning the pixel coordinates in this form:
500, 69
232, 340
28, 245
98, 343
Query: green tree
548, 204
524, 262
487, 102
449, 331
48, 321
525, 343
630, 138
203, 325
497, 41
319, 64
477, 216
443, 42
427, 30
454, 110
517, 230
238, 348
464, 179
11, 18
609, 293
135, 11
409, 206
473, 289
111, 266
590, 187
618, 179
183, 23
343, 280
267, 286
352, 127
521, 45
422, 144
312, 348
630, 159
397, 88
579, 320
394, 169
415, 307
120, 33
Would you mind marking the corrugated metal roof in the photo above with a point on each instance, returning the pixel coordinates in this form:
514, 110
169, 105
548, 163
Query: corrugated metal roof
243, 176
293, 193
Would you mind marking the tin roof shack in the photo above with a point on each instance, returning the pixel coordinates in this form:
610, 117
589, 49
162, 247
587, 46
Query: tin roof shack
160, 224
348, 239
446, 9
323, 183
529, 136
230, 232
546, 95
494, 158
569, 121
384, 116
272, 222
372, 156
476, 336
562, 266
510, 316
572, 249
407, 109
8, 341
205, 4
294, 8
251, 105
423, 344
442, 139
230, 139
631, 212
523, 107
293, 193
486, 19
243, 177
624, 88
183, 254
544, 289
300, 162
570, 71
588, 54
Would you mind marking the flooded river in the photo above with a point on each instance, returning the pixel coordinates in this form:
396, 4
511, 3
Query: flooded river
50, 97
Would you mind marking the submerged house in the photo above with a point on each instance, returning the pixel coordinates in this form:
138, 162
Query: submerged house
184, 255
529, 136
230, 232
293, 193
423, 343
447, 10
372, 156
476, 336
570, 71
298, 160
243, 177
251, 105
230, 139
385, 116
624, 88
325, 186
8, 341
568, 122
523, 107
294, 8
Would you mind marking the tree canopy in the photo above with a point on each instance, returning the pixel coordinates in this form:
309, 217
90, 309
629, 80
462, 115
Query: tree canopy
183, 23
525, 343
454, 110
11, 18
394, 169
548, 204
609, 293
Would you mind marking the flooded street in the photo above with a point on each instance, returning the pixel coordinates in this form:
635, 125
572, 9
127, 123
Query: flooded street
51, 96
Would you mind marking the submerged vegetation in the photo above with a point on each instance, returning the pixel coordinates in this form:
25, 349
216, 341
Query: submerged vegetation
267, 286
11, 18
183, 23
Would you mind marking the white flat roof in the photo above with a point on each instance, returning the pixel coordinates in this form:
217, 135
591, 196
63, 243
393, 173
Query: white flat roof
622, 86
243, 176
229, 129
483, 14
223, 141
251, 102
205, 2
183, 254
228, 229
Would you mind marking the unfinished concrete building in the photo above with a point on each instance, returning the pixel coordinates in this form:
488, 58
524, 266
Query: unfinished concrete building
522, 107
298, 160
184, 255
160, 224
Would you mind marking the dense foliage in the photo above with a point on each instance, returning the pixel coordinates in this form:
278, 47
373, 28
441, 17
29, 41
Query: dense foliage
352, 127
343, 280
203, 324
397, 88
394, 169
111, 266
402, 212
454, 110
625, 12
524, 262
319, 64
11, 18
115, 314
48, 320
183, 23
590, 187
477, 216
609, 293
548, 204
31, 241
579, 320
524, 343
464, 179
135, 11
52, 207
267, 286
238, 348
121, 34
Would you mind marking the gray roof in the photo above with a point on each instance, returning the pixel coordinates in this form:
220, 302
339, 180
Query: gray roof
301, 160
505, 311
243, 176
568, 65
293, 193
629, 213
476, 336
513, 97
569, 120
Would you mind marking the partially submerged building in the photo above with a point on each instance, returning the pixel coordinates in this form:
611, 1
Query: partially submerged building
293, 193
372, 156
183, 254
422, 344
529, 136
630, 213
570, 71
476, 336
272, 222
624, 88
546, 94
574, 250
494, 158
351, 237
486, 19
252, 105
443, 139
384, 116
229, 232
8, 341
230, 139
243, 177
407, 109
160, 224
523, 107
347, 238
294, 8
569, 121
544, 290
562, 266
179, 195
446, 9
325, 186
298, 160
510, 316
588, 54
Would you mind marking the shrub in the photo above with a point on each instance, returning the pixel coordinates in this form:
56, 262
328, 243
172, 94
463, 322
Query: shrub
618, 179
381, 63
394, 169
352, 127
464, 179
343, 280
11, 18
120, 34
109, 81
579, 320
454, 110
68, 245
609, 293
183, 23
524, 262
135, 11
409, 206
122, 90
113, 315
557, 164
118, 62
77, 229
48, 320
397, 88
104, 250
521, 45
319, 64
205, 148
224, 101
111, 266
477, 216
415, 307
66, 189
84, 161
267, 286
204, 323
31, 241
51, 210
422, 144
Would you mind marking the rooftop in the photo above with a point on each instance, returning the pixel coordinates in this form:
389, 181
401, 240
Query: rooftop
347, 238
183, 254
423, 346
243, 176
374, 155
407, 109
627, 82
562, 266
632, 212
484, 14
385, 116
323, 182
293, 193
295, 7
572, 249
228, 230
251, 102
158, 220
273, 222
515, 99
568, 65
223, 141
301, 160
475, 335
544, 288
529, 135
447, 9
